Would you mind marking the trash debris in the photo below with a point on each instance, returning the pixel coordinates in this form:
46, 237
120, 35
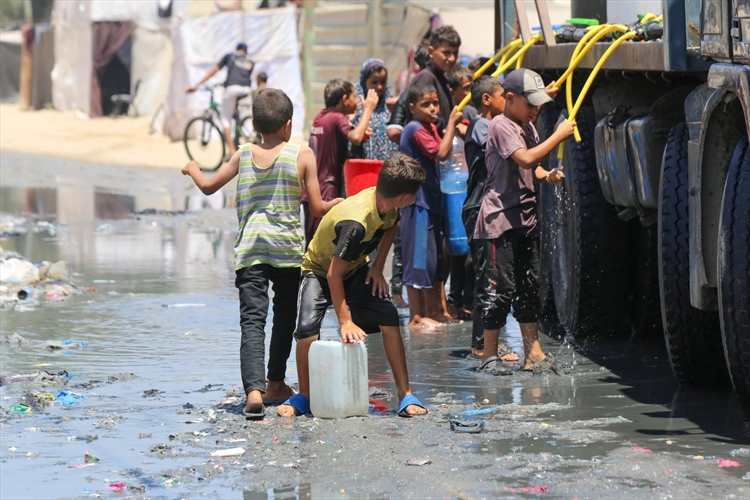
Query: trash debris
183, 305
151, 393
20, 409
232, 452
740, 452
88, 438
467, 427
380, 393
290, 466
528, 489
641, 450
479, 411
117, 486
724, 462
18, 271
88, 461
66, 398
144, 436
418, 462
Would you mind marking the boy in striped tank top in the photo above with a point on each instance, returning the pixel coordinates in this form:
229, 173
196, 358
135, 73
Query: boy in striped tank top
270, 244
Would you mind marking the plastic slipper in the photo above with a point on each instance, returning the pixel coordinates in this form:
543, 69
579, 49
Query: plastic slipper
466, 427
276, 402
504, 349
494, 366
473, 356
406, 401
256, 415
300, 404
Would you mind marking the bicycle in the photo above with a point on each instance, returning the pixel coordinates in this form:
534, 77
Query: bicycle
204, 138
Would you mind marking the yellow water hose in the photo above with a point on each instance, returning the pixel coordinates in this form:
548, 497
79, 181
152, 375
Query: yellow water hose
516, 44
648, 17
531, 42
504, 52
572, 114
583, 48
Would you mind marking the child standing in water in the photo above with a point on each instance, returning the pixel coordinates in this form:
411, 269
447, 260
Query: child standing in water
270, 243
507, 217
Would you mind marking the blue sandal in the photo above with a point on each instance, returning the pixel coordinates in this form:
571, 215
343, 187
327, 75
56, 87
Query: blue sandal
300, 404
406, 401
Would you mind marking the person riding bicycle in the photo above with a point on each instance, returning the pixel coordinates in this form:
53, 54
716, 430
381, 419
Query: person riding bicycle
237, 84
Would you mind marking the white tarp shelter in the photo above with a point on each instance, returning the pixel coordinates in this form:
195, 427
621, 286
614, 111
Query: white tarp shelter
200, 42
151, 49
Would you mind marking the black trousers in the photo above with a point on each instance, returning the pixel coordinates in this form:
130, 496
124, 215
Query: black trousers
511, 279
252, 283
480, 291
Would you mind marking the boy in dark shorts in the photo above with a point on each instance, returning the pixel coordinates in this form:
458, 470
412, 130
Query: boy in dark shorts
335, 271
487, 97
421, 225
330, 136
507, 217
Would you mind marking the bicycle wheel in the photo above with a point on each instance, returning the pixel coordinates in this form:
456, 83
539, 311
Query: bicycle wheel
204, 143
246, 133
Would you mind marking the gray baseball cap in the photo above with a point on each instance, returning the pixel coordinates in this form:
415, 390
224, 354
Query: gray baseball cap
528, 84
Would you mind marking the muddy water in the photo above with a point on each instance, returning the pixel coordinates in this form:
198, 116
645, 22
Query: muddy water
617, 426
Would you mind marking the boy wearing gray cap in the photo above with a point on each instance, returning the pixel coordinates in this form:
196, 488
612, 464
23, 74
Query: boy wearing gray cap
507, 217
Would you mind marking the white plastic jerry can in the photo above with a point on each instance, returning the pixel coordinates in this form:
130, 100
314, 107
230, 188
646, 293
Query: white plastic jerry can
338, 379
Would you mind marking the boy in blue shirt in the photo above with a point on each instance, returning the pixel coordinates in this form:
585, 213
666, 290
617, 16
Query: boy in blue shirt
421, 222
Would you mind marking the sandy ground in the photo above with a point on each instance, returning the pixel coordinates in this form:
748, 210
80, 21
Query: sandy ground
121, 141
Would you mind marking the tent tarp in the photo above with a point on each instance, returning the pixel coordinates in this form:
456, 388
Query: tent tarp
71, 76
199, 43
10, 69
151, 67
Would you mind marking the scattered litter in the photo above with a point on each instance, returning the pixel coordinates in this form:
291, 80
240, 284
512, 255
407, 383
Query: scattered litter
151, 393
290, 466
380, 393
544, 424
144, 436
641, 449
466, 427
12, 448
183, 305
698, 457
168, 482
20, 409
238, 440
740, 452
418, 462
88, 438
66, 398
117, 486
670, 442
480, 411
528, 489
88, 461
79, 466
724, 462
232, 452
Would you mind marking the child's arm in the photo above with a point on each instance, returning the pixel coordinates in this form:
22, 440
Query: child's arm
350, 333
530, 158
369, 103
209, 186
549, 176
307, 170
375, 274
446, 145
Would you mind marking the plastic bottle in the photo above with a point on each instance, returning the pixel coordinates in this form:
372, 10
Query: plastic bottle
453, 171
453, 177
338, 379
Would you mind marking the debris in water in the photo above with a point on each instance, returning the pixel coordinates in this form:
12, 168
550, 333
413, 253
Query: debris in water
740, 452
232, 452
641, 450
479, 411
66, 398
724, 462
183, 305
466, 427
418, 462
20, 409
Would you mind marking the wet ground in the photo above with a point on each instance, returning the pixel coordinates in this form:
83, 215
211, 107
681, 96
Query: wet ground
152, 346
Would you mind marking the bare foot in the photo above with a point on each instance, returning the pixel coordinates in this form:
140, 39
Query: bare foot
512, 356
534, 357
398, 301
254, 402
415, 410
443, 318
286, 411
420, 322
477, 352
277, 391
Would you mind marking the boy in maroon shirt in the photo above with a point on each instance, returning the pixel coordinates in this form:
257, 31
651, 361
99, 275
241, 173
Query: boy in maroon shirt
330, 135
507, 216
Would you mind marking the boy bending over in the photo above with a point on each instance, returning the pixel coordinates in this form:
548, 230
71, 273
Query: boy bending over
336, 271
507, 217
270, 243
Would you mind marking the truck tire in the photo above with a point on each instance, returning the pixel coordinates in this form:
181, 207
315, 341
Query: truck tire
734, 272
644, 309
692, 336
545, 126
590, 282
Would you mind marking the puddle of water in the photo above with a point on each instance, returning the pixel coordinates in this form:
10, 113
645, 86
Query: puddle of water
142, 264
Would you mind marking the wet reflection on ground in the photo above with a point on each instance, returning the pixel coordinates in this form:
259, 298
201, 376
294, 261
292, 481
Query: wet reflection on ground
617, 426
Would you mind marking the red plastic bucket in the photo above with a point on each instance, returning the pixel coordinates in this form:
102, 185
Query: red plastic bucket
360, 174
